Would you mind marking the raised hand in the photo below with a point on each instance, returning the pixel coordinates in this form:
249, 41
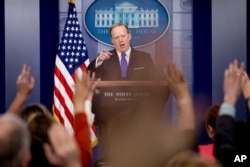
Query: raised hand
245, 85
62, 150
25, 84
176, 82
82, 99
84, 87
232, 82
25, 81
179, 87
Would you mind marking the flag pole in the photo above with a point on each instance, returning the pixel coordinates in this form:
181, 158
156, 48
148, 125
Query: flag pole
71, 1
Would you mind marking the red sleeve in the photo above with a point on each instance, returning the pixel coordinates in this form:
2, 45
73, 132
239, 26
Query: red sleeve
82, 136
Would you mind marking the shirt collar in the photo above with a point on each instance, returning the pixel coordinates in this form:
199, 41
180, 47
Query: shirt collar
127, 52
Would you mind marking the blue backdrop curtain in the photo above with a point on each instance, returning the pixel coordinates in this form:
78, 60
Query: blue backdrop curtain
49, 40
2, 58
202, 59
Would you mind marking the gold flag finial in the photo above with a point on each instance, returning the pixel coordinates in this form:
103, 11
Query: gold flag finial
71, 1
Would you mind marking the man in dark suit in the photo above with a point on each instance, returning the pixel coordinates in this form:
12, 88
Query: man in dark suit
107, 65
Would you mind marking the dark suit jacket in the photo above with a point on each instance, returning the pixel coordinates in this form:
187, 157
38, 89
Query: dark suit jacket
140, 67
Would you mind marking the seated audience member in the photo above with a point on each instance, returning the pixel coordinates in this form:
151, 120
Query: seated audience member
39, 118
207, 150
38, 121
51, 145
14, 142
232, 136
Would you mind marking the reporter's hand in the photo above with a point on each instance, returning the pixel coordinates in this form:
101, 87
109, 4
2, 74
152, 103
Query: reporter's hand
179, 87
84, 88
62, 150
25, 84
176, 82
245, 85
232, 82
25, 81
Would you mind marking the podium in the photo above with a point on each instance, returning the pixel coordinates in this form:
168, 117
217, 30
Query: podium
114, 97
116, 104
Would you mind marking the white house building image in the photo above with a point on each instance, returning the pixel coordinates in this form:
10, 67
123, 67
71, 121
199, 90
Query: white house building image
127, 13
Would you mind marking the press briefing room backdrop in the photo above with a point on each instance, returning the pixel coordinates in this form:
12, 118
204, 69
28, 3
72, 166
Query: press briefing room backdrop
200, 36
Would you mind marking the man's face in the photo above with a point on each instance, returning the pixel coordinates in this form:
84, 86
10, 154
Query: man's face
120, 38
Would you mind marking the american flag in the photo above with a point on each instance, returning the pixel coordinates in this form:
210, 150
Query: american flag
71, 59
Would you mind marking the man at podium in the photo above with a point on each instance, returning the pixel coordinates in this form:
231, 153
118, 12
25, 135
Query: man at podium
129, 75
123, 62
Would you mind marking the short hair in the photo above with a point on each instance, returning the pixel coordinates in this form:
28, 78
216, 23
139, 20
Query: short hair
211, 115
14, 140
118, 25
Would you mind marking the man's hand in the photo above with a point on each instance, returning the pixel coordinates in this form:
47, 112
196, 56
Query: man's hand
103, 56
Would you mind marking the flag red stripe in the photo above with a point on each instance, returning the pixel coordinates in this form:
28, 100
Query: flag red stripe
62, 102
63, 82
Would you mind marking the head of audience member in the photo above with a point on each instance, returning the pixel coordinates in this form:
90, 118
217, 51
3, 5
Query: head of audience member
30, 111
190, 158
120, 37
38, 120
14, 142
210, 120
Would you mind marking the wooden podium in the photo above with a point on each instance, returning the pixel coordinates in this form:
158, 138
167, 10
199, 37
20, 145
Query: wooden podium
114, 97
117, 103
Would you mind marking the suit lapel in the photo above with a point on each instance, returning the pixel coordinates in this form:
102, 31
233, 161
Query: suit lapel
132, 63
116, 64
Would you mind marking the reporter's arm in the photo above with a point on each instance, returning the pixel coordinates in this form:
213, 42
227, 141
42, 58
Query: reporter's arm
25, 84
179, 87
